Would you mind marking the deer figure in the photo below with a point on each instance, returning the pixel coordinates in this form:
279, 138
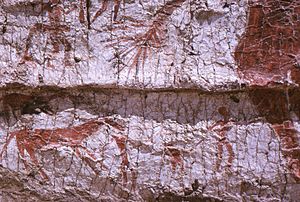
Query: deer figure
31, 141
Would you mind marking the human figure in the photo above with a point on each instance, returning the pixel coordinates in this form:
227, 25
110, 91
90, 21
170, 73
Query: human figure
55, 29
222, 127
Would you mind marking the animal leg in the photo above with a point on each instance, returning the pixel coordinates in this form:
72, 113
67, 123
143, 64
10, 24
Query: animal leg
220, 154
101, 10
230, 152
116, 8
124, 165
86, 160
31, 153
21, 149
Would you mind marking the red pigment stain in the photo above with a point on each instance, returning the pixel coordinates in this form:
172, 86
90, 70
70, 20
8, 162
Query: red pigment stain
267, 54
269, 50
288, 137
278, 111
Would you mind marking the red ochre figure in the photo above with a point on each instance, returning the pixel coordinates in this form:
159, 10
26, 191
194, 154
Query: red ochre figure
56, 30
175, 157
222, 127
100, 11
143, 45
31, 141
121, 143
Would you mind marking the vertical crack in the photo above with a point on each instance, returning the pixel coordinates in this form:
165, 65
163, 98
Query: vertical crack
4, 26
88, 17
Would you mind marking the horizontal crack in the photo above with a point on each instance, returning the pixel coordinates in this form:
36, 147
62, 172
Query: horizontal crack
185, 106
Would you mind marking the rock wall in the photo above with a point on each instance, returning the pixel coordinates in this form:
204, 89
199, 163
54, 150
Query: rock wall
161, 100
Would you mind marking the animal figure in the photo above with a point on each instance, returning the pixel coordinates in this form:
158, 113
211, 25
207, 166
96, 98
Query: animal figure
32, 141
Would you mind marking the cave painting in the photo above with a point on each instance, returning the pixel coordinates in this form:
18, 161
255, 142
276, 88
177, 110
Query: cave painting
139, 47
268, 54
222, 127
84, 16
34, 140
56, 31
176, 157
57, 28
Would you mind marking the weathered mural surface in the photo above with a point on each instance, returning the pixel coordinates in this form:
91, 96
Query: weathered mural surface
161, 100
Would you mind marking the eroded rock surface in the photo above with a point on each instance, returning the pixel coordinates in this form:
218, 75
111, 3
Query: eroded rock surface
144, 44
171, 100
